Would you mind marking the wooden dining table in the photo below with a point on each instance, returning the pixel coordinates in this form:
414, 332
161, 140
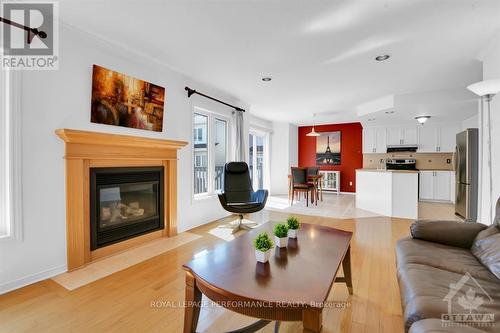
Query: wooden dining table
315, 179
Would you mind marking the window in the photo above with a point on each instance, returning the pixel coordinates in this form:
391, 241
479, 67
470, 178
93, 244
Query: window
10, 209
210, 146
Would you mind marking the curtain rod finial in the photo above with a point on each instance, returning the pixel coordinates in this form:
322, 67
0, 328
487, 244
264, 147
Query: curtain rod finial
189, 91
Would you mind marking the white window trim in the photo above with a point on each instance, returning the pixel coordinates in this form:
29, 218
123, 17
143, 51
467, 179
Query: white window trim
11, 149
212, 115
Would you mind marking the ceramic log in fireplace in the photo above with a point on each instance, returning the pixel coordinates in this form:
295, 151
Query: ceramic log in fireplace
124, 203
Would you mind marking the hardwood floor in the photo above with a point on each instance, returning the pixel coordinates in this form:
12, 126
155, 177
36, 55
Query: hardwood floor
146, 297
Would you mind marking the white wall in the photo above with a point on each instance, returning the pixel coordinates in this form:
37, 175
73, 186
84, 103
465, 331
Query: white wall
61, 99
284, 148
490, 57
472, 122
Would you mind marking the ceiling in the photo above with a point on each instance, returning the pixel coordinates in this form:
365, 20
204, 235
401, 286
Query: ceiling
320, 54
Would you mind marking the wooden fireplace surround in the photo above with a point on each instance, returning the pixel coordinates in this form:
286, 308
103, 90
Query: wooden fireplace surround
85, 150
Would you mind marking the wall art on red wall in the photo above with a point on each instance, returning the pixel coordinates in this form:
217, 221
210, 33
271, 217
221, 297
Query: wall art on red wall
328, 148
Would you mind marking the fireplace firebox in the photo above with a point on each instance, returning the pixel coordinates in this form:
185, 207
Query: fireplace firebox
125, 203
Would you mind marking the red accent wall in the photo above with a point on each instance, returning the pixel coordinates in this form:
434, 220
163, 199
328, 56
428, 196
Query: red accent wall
351, 151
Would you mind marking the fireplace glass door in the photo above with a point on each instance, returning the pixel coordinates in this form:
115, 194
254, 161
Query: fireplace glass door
125, 203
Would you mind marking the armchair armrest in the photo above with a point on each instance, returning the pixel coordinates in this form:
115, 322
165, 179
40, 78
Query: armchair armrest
453, 233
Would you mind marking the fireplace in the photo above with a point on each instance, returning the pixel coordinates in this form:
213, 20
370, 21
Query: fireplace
125, 202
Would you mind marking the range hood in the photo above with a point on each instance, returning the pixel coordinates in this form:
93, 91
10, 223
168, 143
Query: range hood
402, 148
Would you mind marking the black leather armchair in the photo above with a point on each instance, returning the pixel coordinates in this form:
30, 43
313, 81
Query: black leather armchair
238, 196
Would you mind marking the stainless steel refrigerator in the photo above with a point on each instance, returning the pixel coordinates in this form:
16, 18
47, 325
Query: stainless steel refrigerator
466, 170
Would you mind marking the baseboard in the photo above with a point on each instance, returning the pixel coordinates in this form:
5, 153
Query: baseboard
30, 279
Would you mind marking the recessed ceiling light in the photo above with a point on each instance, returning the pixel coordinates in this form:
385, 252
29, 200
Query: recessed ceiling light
266, 79
382, 57
389, 112
371, 119
422, 119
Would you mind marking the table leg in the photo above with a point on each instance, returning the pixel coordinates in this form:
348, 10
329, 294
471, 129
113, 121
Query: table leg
193, 304
290, 190
312, 320
346, 266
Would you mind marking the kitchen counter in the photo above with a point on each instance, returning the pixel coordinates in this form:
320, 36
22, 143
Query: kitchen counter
382, 170
388, 192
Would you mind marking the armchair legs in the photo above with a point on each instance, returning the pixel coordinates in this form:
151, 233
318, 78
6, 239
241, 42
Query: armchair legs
240, 225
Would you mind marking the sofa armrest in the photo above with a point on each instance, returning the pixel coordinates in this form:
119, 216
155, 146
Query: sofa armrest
453, 233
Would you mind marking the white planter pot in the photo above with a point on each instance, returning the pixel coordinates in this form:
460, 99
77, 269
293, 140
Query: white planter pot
262, 256
292, 233
280, 242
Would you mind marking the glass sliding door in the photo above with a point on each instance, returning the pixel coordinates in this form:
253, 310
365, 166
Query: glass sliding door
220, 152
258, 148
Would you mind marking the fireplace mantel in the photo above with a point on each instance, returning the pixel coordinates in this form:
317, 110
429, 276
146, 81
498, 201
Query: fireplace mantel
85, 150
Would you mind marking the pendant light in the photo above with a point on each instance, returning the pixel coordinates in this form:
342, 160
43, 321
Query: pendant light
313, 132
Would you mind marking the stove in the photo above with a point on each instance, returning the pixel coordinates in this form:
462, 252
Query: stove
401, 164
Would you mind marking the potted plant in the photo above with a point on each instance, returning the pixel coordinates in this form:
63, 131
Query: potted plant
280, 234
293, 226
263, 245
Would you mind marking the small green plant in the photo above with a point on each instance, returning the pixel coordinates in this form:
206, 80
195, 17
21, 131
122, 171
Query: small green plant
280, 230
263, 242
293, 223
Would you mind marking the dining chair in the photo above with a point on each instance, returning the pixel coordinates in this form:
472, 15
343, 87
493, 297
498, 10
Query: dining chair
314, 172
300, 184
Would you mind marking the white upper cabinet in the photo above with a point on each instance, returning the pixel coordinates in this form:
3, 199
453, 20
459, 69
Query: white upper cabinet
429, 139
381, 140
394, 136
407, 135
369, 140
374, 140
410, 135
438, 138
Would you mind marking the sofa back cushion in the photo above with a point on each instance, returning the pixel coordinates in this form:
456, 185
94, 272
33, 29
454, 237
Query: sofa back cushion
486, 248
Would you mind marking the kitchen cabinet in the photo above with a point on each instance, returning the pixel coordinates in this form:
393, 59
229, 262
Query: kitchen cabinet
374, 140
429, 142
406, 135
437, 138
369, 140
436, 185
426, 185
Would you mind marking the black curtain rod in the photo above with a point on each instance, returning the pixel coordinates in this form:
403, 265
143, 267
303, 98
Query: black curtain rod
192, 91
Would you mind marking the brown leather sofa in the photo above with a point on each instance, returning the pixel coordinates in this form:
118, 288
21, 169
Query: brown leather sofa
450, 267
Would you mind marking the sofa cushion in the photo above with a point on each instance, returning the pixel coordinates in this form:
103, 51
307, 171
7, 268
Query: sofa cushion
486, 248
436, 326
451, 233
424, 288
448, 258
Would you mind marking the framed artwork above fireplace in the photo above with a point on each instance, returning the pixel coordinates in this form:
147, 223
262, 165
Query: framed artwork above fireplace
122, 100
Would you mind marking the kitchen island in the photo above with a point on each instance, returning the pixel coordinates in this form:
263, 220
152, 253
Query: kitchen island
388, 192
